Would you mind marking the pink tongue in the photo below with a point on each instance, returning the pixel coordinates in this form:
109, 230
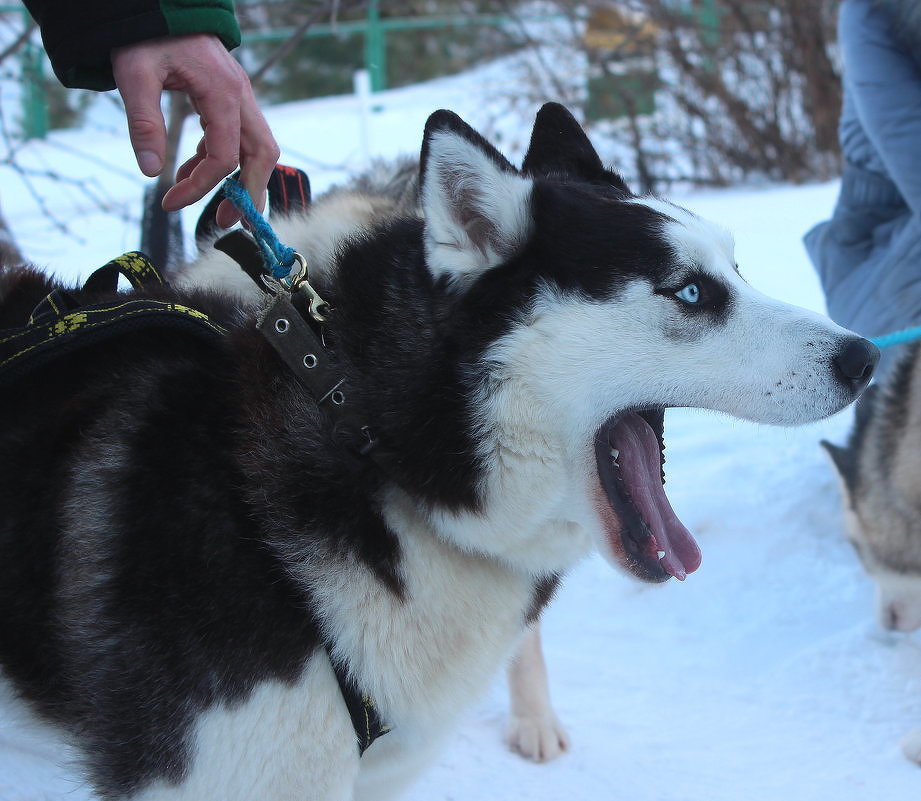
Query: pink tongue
640, 468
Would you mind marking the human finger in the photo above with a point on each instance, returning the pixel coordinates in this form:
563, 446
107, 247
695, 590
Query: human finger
220, 116
140, 84
259, 154
226, 214
185, 170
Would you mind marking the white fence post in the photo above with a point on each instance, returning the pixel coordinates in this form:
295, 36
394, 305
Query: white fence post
362, 83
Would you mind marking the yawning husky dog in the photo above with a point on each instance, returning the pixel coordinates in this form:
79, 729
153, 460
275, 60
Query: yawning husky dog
197, 565
880, 472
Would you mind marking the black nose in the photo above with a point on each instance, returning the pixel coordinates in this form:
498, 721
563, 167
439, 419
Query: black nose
856, 362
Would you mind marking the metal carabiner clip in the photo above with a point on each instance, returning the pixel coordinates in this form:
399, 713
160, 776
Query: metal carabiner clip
297, 282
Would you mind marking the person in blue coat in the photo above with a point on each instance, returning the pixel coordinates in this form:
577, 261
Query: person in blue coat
868, 255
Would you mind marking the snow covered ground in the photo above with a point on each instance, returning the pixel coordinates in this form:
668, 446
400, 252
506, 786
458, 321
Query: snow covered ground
760, 678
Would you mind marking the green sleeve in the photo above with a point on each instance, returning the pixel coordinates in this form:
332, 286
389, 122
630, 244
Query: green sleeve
79, 37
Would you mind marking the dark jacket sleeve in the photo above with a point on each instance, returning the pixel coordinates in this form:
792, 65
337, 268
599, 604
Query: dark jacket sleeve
79, 36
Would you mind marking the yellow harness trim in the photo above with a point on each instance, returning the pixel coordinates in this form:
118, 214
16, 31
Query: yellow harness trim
93, 318
138, 269
57, 321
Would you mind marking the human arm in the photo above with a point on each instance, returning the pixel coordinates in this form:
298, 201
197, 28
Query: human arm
884, 82
78, 37
145, 46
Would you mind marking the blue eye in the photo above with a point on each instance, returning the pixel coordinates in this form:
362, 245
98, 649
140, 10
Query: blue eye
689, 294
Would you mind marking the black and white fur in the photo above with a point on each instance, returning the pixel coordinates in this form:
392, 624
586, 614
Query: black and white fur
181, 530
389, 190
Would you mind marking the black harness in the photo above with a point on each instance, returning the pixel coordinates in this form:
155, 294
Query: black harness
60, 325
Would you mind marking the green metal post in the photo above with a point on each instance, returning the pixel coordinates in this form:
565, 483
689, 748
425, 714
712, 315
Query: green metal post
375, 48
34, 102
709, 20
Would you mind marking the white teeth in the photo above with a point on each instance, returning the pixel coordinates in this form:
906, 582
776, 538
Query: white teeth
660, 554
614, 454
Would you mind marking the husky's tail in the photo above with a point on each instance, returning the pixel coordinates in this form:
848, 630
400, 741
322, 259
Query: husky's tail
394, 179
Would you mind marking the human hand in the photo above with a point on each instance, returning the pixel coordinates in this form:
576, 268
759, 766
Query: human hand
235, 132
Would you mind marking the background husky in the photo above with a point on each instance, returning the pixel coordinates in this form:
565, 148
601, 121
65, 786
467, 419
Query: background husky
880, 471
189, 549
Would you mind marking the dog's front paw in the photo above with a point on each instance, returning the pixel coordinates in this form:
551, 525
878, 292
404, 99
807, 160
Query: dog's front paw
540, 738
911, 746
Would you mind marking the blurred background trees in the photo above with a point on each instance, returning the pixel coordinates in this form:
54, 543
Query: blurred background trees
702, 91
736, 87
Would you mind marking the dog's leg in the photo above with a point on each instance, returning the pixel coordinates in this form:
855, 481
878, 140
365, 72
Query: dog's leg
533, 730
911, 745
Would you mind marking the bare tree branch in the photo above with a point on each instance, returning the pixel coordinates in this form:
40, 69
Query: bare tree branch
330, 8
750, 89
18, 42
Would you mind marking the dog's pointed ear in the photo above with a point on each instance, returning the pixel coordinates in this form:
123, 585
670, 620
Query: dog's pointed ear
560, 146
865, 408
840, 457
477, 207
845, 462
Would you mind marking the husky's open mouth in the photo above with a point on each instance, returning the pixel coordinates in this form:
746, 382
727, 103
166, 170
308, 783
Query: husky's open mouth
644, 533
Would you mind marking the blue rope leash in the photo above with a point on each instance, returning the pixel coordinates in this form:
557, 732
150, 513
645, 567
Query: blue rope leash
278, 257
897, 338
